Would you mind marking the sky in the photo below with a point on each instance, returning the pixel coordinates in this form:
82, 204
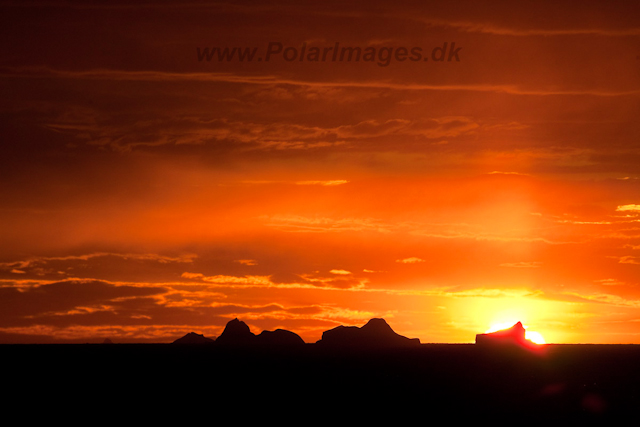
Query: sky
444, 165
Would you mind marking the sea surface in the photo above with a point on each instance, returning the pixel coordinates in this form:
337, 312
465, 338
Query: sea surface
460, 382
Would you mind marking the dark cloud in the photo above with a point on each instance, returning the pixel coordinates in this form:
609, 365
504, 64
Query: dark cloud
19, 303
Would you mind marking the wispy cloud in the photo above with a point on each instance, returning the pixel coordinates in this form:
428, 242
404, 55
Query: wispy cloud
609, 282
603, 298
411, 260
308, 281
248, 136
519, 31
34, 261
507, 173
166, 76
629, 260
484, 293
522, 264
303, 224
262, 281
324, 183
627, 208
247, 261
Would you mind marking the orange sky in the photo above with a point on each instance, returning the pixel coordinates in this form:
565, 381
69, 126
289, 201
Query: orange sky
145, 194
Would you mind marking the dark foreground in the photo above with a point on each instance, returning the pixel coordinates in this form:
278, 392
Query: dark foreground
206, 383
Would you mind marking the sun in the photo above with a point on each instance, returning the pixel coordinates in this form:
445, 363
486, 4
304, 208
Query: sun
533, 336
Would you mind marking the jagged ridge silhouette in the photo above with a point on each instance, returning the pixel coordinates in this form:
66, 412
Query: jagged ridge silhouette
376, 333
193, 338
512, 335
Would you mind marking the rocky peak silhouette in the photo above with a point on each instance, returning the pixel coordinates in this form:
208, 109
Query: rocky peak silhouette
375, 333
378, 326
279, 337
193, 338
236, 332
512, 335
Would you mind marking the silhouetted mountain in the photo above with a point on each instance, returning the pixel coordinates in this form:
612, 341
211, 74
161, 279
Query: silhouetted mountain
512, 336
107, 341
193, 338
376, 333
237, 333
279, 337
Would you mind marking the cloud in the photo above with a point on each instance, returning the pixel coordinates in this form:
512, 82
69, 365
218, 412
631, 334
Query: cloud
576, 222
412, 260
304, 224
318, 224
609, 282
231, 280
247, 261
341, 280
273, 80
484, 293
603, 298
325, 183
294, 145
452, 233
629, 260
249, 135
432, 128
128, 314
501, 30
522, 264
507, 173
37, 261
69, 296
625, 208
471, 20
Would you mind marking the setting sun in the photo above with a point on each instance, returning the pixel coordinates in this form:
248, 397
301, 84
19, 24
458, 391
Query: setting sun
535, 337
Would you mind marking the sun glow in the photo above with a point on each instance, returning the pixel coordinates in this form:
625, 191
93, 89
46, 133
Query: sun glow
533, 336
